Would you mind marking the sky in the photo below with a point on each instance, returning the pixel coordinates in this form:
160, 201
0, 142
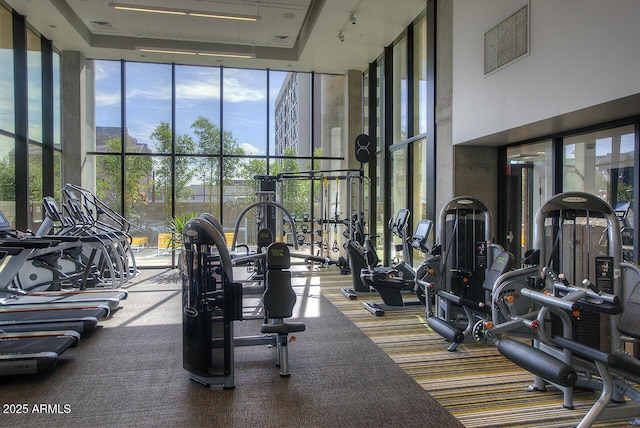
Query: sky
198, 93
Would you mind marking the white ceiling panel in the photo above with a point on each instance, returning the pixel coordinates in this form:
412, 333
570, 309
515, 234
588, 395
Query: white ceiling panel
291, 35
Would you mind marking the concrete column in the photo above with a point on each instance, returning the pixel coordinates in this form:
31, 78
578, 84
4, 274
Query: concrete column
353, 115
73, 98
461, 170
445, 177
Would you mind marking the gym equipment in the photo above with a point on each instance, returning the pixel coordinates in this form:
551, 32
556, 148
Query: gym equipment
96, 253
80, 319
576, 321
615, 368
391, 281
357, 261
212, 301
354, 195
33, 352
470, 266
17, 252
92, 211
279, 300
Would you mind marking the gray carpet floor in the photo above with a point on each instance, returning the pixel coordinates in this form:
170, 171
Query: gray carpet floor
129, 373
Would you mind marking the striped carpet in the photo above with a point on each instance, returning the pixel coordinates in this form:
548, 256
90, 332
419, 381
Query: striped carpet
476, 384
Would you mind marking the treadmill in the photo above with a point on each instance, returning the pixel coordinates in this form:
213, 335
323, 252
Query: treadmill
15, 299
33, 352
79, 319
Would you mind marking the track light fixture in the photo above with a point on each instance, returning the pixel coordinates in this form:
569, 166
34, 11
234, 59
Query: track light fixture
183, 12
352, 18
196, 53
341, 36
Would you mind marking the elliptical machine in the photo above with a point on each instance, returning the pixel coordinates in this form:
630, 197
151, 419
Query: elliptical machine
391, 282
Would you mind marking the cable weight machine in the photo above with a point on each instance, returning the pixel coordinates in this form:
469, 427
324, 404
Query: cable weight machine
321, 230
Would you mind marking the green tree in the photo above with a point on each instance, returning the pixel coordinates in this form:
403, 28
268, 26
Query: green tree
138, 181
8, 177
35, 177
108, 173
208, 145
296, 194
161, 136
249, 169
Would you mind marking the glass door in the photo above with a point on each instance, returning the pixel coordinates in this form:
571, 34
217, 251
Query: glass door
528, 186
399, 194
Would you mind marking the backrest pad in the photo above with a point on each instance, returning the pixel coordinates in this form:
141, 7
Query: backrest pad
629, 322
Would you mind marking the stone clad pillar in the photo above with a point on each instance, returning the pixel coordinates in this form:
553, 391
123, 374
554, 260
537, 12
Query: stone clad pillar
77, 116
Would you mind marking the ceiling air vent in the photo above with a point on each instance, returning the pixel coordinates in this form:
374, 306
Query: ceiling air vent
280, 39
102, 26
507, 41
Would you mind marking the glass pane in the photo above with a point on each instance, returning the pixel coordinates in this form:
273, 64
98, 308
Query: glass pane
148, 207
419, 209
198, 109
7, 118
108, 105
529, 185
330, 141
57, 175
400, 91
295, 195
148, 121
365, 103
202, 192
398, 200
420, 77
602, 163
244, 94
57, 102
107, 179
8, 177
34, 90
35, 186
380, 223
329, 120
290, 114
238, 196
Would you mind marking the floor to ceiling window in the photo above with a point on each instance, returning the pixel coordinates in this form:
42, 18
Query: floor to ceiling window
599, 162
57, 131
34, 89
602, 163
196, 138
406, 145
30, 145
7, 119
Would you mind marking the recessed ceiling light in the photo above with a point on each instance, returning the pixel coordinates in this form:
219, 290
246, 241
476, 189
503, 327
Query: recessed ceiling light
288, 15
182, 12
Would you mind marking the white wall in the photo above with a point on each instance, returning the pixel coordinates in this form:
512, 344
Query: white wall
582, 53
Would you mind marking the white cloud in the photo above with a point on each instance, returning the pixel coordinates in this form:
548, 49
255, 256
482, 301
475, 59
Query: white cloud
244, 85
107, 99
161, 93
251, 149
195, 90
103, 69
236, 91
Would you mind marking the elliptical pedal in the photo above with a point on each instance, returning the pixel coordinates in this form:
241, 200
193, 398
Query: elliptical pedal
374, 308
349, 293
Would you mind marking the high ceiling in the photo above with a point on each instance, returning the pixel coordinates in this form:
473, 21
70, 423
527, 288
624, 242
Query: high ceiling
301, 35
